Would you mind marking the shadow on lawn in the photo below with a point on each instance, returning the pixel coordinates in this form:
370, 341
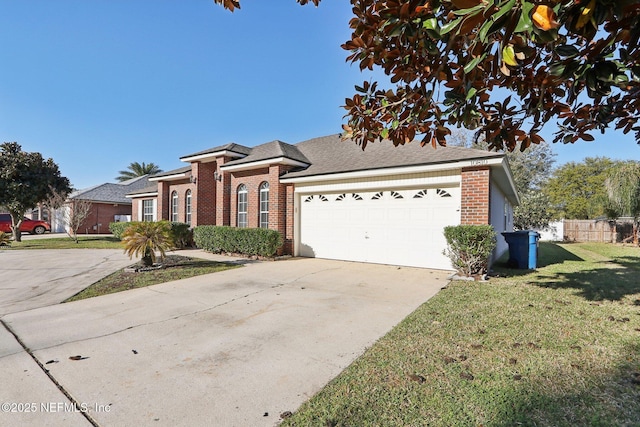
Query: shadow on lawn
615, 281
597, 284
548, 254
568, 406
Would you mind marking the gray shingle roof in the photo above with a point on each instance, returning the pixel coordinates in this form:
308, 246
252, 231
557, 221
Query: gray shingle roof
329, 154
236, 148
112, 193
172, 172
271, 150
152, 188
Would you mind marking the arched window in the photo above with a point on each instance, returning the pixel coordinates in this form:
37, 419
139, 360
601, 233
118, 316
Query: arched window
242, 206
187, 208
174, 207
264, 205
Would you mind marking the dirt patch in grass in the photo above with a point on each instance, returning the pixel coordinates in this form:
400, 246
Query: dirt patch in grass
175, 267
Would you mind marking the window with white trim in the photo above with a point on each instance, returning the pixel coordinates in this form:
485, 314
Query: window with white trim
147, 210
264, 205
242, 206
187, 208
174, 206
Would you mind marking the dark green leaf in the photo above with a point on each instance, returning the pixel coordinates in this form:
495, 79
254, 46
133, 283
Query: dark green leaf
567, 50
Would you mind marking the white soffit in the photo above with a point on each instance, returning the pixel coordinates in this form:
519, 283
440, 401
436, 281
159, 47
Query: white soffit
211, 157
259, 163
175, 177
135, 196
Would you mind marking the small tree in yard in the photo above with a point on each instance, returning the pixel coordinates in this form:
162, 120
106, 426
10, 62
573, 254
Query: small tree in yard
469, 248
72, 212
144, 239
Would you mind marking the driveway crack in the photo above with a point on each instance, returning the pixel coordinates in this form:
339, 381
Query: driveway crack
60, 387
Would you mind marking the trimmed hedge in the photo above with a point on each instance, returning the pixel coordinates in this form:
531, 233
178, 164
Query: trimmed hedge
181, 233
469, 247
246, 241
118, 228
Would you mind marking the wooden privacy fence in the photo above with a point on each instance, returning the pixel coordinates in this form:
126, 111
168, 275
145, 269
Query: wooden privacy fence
590, 230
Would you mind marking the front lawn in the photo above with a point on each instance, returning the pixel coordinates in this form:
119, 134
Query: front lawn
555, 347
176, 267
65, 242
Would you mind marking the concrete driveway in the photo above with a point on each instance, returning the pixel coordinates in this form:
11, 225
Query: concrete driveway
235, 348
39, 278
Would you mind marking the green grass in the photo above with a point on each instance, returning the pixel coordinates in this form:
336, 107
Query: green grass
84, 242
556, 347
176, 267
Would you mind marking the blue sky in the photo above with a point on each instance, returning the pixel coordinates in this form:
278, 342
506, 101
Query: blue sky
98, 84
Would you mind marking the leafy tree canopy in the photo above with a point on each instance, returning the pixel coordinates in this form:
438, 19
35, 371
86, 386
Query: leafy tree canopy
577, 190
574, 61
623, 189
26, 179
136, 169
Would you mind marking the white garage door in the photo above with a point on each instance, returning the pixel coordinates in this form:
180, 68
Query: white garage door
399, 227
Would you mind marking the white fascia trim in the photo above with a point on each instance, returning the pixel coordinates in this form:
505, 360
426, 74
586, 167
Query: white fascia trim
512, 184
370, 173
212, 156
267, 162
135, 196
175, 177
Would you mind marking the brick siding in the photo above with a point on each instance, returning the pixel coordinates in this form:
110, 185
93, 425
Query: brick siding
100, 216
475, 189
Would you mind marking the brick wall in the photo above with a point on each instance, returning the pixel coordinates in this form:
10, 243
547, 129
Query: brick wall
163, 201
223, 194
475, 196
100, 216
203, 200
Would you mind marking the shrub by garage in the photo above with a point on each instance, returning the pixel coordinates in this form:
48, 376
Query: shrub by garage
246, 241
469, 248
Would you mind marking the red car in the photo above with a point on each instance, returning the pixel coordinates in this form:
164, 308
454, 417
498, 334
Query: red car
28, 225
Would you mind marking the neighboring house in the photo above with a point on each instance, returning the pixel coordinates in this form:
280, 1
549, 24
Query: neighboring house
330, 199
108, 204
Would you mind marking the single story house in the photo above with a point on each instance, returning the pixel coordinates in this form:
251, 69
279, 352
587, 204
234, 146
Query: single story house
108, 204
331, 199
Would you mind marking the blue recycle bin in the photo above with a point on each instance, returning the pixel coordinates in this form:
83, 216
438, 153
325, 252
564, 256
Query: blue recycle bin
523, 248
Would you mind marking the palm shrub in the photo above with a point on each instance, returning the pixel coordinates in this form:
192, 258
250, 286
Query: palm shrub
469, 248
181, 233
5, 239
144, 239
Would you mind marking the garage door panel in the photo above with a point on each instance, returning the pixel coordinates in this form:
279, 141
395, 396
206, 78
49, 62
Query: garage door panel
401, 227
